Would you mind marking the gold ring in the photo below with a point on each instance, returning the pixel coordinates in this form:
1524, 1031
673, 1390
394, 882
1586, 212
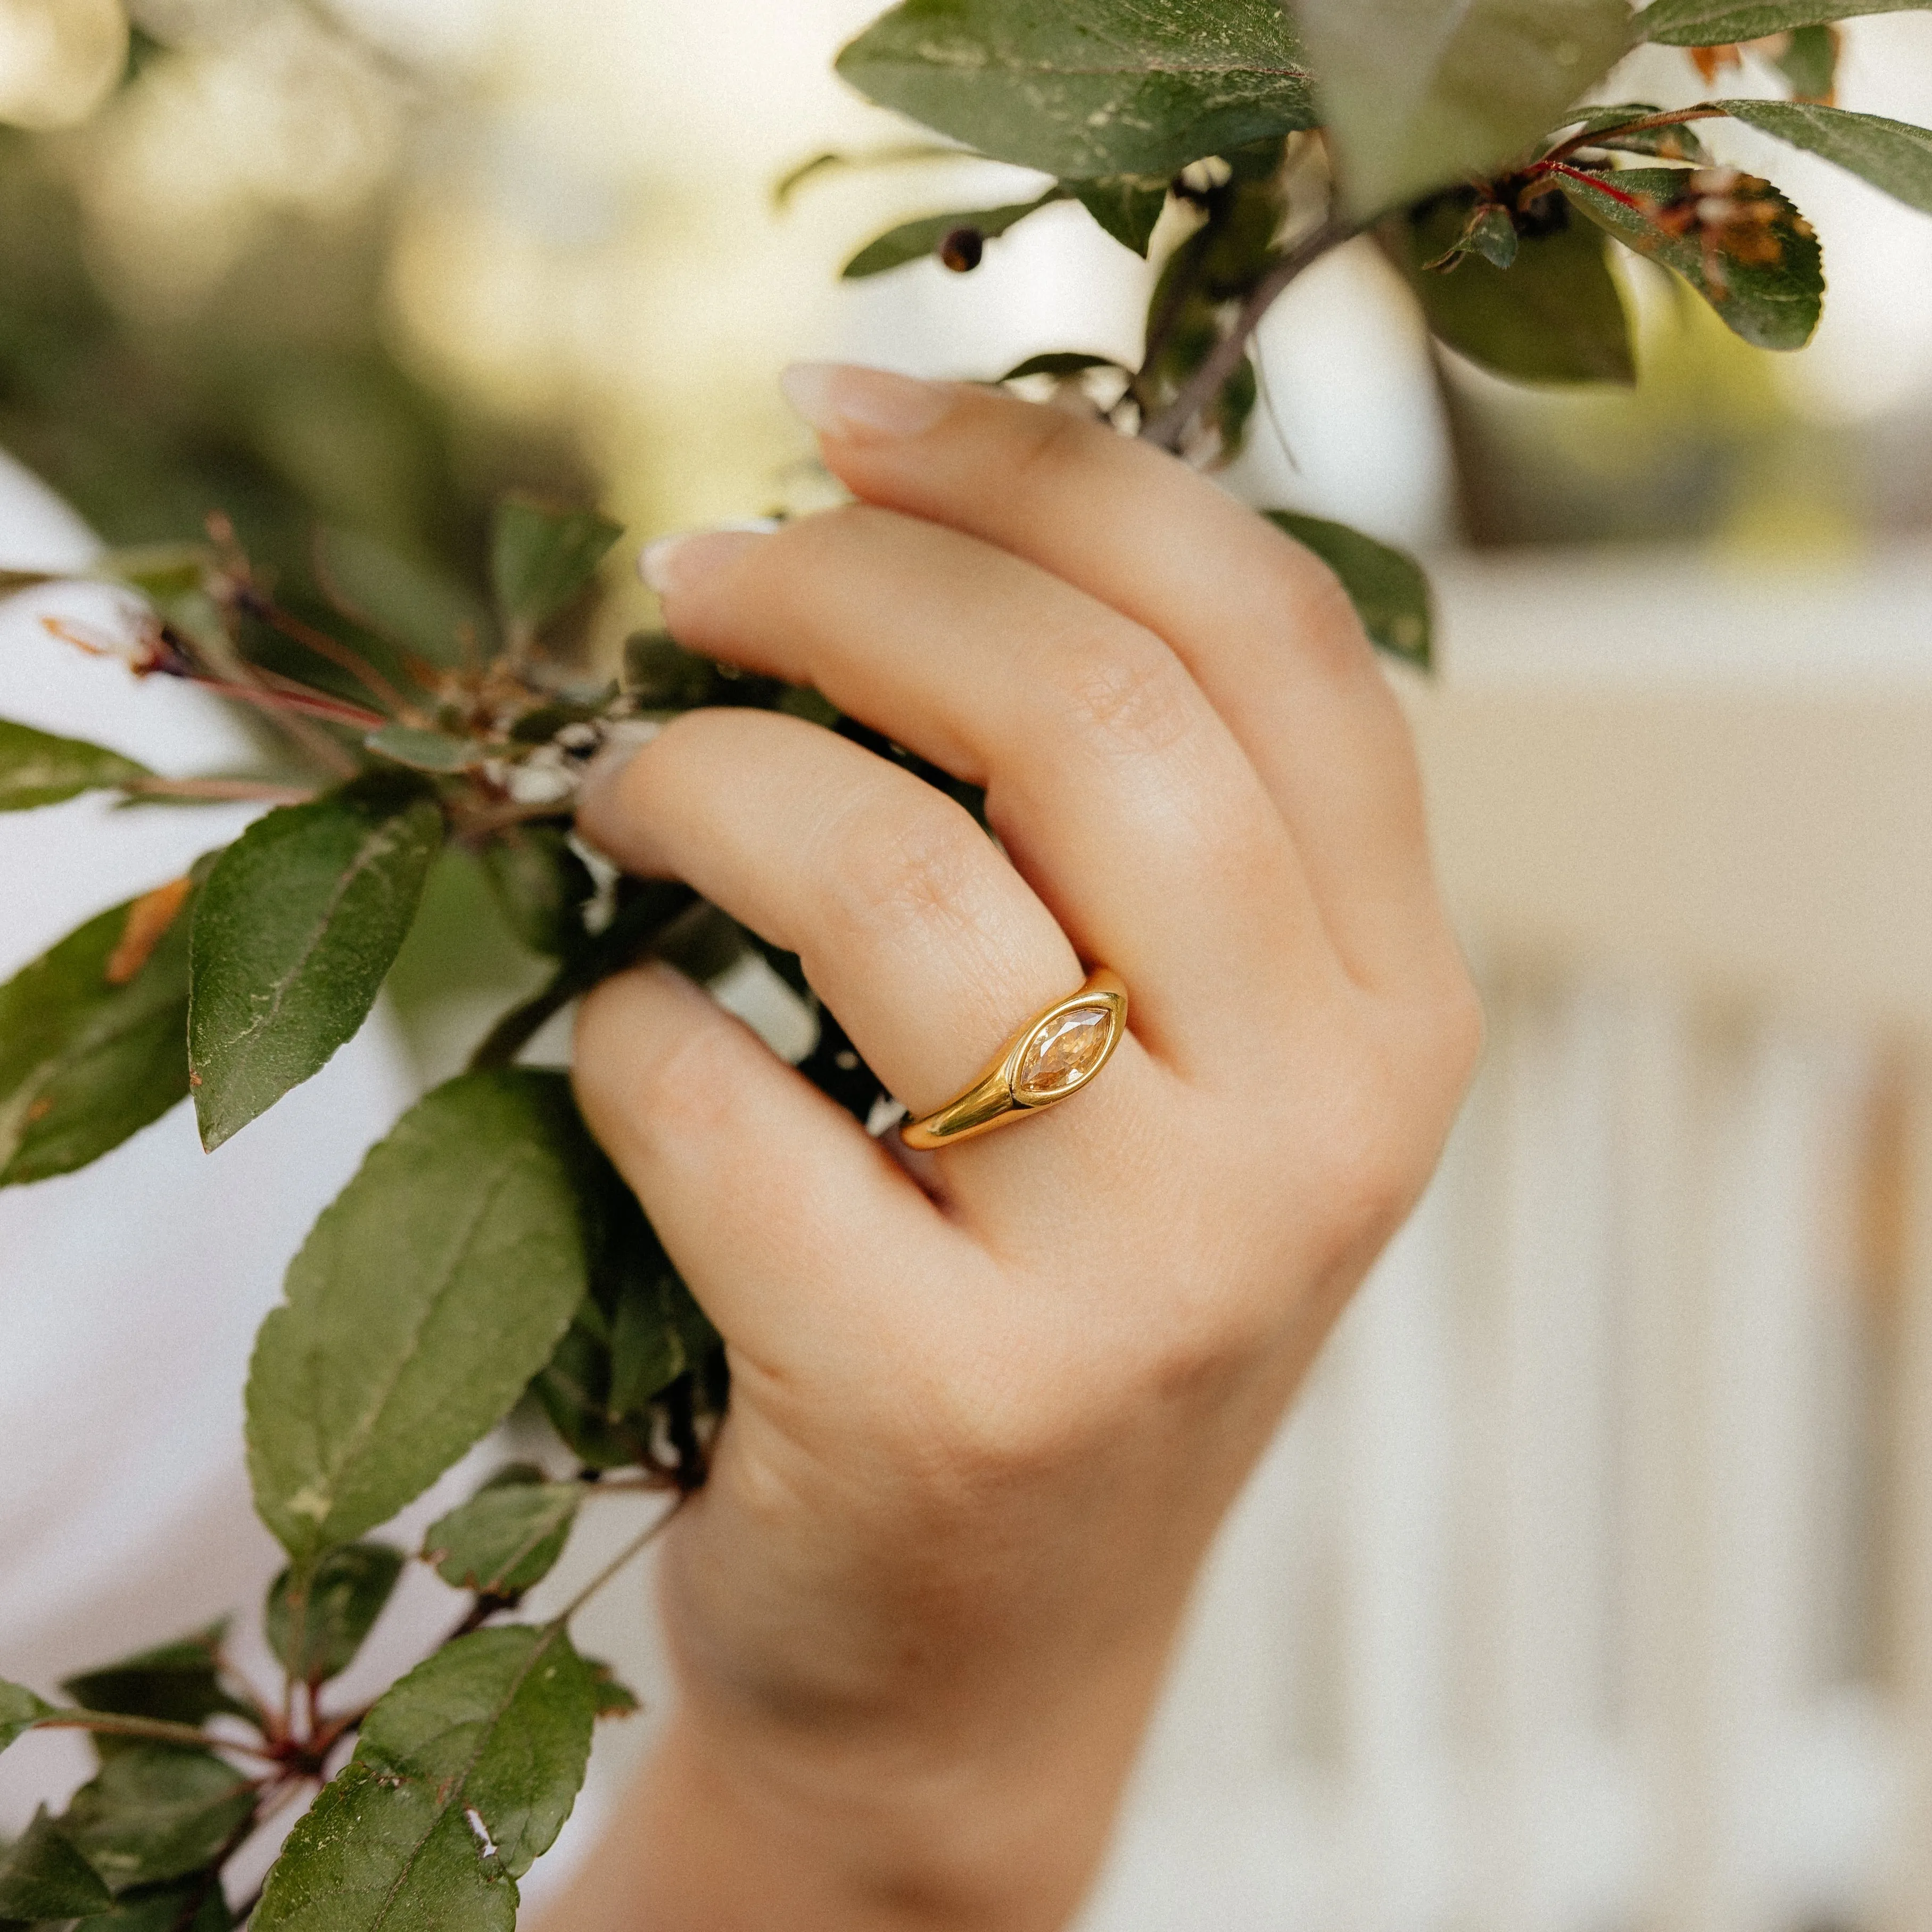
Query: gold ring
1049, 1060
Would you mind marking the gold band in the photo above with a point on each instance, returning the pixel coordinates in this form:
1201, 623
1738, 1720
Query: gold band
1049, 1060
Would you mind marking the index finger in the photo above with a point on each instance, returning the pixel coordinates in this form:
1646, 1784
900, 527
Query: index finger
1261, 623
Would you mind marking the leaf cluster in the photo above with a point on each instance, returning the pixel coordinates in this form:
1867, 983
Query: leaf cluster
486, 1254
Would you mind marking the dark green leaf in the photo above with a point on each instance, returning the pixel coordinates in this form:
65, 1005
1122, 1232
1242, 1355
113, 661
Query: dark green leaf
36, 768
1765, 278
1891, 154
1421, 93
613, 1699
407, 1336
1557, 316
162, 1909
542, 885
1387, 586
1810, 64
662, 676
178, 1682
1718, 23
1676, 143
915, 241
1110, 87
317, 1623
507, 1537
44, 1876
20, 1711
821, 165
543, 559
90, 1052
1057, 363
408, 603
297, 924
636, 1332
1489, 232
434, 751
156, 1812
1129, 207
463, 1773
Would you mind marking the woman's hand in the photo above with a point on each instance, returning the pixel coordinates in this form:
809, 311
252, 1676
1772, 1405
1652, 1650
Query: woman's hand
988, 1405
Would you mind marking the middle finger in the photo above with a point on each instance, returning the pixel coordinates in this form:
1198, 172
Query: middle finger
1120, 794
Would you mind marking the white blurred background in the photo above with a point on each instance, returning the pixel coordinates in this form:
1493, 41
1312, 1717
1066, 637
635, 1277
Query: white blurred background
1591, 1588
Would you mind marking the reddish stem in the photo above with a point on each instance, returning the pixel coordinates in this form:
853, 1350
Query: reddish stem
1578, 175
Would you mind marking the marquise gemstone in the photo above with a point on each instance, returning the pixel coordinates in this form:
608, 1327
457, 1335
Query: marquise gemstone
1063, 1053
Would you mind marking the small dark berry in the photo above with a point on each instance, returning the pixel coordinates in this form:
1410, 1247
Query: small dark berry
963, 250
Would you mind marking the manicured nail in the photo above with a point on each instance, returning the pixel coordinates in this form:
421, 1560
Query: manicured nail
672, 563
856, 405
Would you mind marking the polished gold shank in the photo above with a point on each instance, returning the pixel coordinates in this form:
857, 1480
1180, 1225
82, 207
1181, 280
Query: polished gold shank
1000, 1096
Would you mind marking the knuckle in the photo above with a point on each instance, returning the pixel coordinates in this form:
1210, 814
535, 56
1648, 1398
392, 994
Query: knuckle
681, 1091
1052, 444
906, 864
1126, 691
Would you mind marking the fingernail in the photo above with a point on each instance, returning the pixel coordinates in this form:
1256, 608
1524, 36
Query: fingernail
839, 399
622, 742
672, 563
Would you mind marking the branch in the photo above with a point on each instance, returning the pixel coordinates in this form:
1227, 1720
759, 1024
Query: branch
628, 936
1602, 136
158, 1729
242, 791
635, 1548
1167, 429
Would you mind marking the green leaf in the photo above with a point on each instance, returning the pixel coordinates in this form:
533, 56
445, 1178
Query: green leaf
637, 1332
20, 1711
542, 560
1676, 143
1810, 64
44, 1876
91, 1053
407, 1334
297, 924
317, 1623
36, 768
788, 185
1109, 87
507, 1537
464, 1773
1893, 155
162, 1910
1129, 207
1765, 279
1421, 93
178, 1682
1387, 585
409, 603
1718, 23
1059, 364
915, 240
156, 1812
434, 751
542, 885
1489, 232
613, 1699
1556, 316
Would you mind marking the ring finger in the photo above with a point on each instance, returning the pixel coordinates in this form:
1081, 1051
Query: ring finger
910, 925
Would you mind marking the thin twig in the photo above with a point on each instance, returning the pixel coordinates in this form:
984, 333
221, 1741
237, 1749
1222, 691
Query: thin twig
1168, 430
338, 653
634, 1548
243, 791
158, 1729
1600, 137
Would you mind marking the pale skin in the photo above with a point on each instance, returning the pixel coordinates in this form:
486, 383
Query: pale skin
990, 1404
